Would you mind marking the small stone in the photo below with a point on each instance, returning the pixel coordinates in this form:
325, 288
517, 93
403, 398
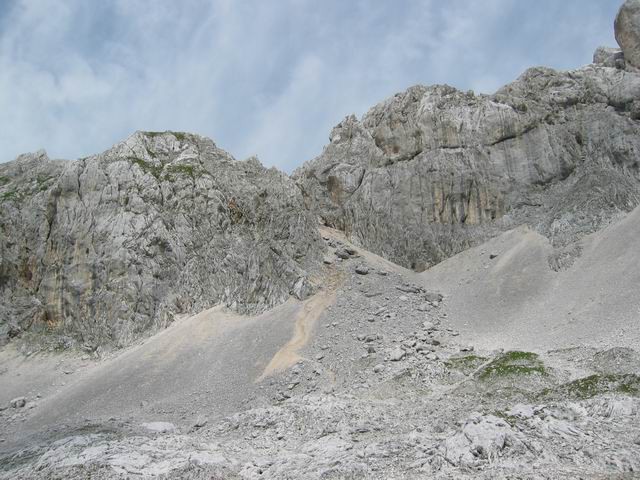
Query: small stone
371, 349
327, 261
199, 423
424, 307
319, 357
432, 356
18, 402
362, 270
409, 288
371, 319
467, 348
160, 427
433, 297
493, 255
428, 325
522, 411
397, 354
379, 368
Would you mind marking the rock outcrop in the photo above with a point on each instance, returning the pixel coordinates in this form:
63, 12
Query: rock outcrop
627, 28
433, 170
104, 249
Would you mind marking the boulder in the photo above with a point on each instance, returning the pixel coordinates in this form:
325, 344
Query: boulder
609, 57
627, 30
481, 439
18, 402
397, 354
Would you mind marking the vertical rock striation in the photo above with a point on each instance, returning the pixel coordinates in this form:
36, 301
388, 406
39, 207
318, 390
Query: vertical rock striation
433, 170
110, 247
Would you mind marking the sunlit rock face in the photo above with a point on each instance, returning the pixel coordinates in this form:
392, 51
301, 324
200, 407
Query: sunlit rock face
105, 249
433, 170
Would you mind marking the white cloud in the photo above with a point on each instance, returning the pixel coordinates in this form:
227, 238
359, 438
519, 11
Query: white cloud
266, 78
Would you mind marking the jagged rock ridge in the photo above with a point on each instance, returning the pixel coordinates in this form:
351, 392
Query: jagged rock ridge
107, 248
433, 170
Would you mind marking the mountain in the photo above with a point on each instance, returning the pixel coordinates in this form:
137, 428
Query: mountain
466, 308
103, 250
432, 171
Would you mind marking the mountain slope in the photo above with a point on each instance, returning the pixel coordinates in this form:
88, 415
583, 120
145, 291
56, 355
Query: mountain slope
377, 382
516, 300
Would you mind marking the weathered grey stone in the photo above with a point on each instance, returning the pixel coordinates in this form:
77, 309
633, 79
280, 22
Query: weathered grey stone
18, 402
627, 30
481, 438
160, 427
609, 57
362, 270
397, 354
433, 170
107, 248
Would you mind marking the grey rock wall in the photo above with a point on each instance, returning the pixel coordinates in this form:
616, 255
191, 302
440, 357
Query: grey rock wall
108, 248
433, 170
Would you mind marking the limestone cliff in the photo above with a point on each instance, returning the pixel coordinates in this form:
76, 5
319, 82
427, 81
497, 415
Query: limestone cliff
107, 248
433, 170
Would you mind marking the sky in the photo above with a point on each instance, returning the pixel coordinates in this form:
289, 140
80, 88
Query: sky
260, 77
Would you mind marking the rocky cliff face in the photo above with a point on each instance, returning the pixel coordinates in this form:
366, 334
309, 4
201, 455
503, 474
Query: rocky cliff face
107, 248
434, 170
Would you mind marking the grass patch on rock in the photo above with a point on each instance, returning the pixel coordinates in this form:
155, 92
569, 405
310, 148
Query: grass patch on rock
188, 170
147, 167
466, 364
11, 195
180, 136
594, 385
515, 363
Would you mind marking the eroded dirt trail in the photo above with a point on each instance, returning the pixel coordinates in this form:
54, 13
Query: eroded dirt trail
305, 320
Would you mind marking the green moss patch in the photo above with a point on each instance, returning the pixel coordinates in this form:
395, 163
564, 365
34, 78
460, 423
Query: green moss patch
466, 364
594, 385
11, 195
514, 363
182, 170
4, 180
181, 136
147, 167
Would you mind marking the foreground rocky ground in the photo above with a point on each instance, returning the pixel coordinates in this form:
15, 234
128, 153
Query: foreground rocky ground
375, 382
